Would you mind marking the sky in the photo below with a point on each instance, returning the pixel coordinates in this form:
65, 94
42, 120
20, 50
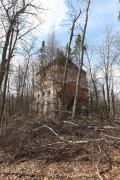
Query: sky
103, 13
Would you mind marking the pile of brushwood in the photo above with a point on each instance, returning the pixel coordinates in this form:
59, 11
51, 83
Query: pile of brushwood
57, 140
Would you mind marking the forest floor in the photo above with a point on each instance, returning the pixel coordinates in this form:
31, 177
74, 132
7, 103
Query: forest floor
46, 149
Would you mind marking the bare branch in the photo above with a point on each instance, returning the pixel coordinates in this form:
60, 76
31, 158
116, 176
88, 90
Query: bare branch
68, 141
112, 137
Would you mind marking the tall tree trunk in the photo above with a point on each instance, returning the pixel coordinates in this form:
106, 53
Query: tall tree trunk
4, 59
104, 99
108, 92
8, 98
94, 84
81, 62
24, 79
10, 54
68, 56
112, 104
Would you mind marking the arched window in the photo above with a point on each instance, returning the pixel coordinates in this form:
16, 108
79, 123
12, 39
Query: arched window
43, 94
49, 93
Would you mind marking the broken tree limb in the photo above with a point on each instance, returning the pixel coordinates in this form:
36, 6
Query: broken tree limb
69, 122
111, 137
103, 127
97, 165
69, 141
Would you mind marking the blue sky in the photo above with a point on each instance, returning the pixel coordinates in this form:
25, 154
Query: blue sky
102, 13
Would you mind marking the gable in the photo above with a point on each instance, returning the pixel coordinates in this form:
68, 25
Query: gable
59, 62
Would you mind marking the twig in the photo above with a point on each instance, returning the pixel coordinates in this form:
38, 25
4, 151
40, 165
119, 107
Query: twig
62, 111
112, 137
45, 145
103, 127
17, 174
70, 123
98, 172
117, 121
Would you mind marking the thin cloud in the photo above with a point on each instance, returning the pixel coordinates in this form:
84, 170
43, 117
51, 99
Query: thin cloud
54, 15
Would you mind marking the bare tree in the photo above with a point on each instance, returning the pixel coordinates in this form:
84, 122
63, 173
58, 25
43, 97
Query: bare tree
92, 76
75, 16
52, 45
15, 26
109, 53
47, 51
23, 76
81, 60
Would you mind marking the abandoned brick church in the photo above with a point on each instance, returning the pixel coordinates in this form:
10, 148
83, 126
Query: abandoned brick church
49, 86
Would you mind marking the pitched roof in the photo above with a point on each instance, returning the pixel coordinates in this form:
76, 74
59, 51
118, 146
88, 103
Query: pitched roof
60, 61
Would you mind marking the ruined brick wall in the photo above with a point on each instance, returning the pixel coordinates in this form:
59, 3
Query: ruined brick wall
72, 73
48, 84
44, 92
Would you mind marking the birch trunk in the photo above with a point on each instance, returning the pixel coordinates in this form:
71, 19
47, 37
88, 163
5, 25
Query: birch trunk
81, 62
68, 56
